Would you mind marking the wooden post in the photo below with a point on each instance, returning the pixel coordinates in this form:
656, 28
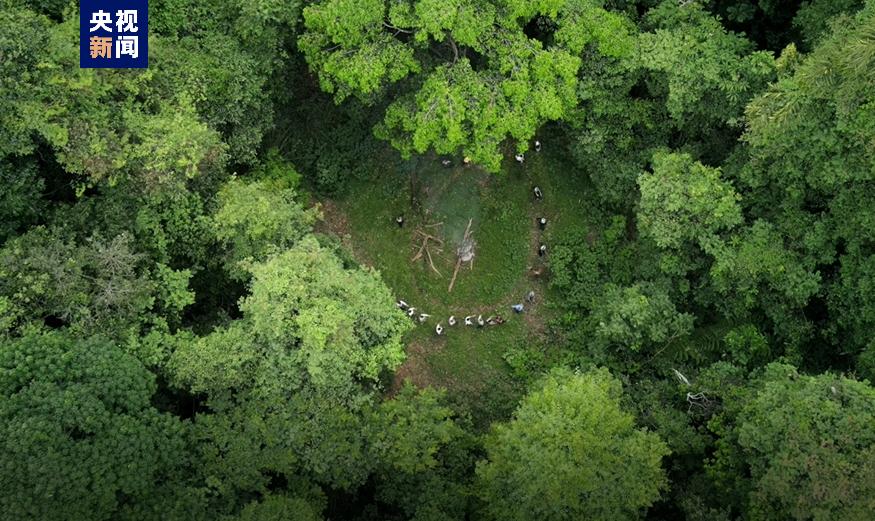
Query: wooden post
455, 272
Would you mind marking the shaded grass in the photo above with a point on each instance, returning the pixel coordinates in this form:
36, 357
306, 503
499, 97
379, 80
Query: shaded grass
467, 361
498, 207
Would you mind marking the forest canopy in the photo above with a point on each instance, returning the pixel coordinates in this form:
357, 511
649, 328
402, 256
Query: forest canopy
440, 260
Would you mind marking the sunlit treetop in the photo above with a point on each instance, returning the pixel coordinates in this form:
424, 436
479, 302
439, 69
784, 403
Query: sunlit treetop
463, 75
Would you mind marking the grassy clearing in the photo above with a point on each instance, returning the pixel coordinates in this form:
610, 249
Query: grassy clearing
467, 361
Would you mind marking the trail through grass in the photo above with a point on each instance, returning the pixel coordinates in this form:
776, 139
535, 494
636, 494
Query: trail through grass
467, 361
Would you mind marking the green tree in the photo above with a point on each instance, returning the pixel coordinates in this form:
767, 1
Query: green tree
342, 323
810, 170
570, 452
107, 124
231, 57
579, 268
799, 447
754, 270
80, 437
410, 429
470, 77
313, 342
22, 39
705, 74
814, 16
636, 317
275, 507
205, 93
423, 462
616, 127
98, 286
684, 87
256, 219
21, 199
169, 225
685, 202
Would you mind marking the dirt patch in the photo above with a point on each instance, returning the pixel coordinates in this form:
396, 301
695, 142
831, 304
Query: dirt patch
533, 317
416, 368
333, 220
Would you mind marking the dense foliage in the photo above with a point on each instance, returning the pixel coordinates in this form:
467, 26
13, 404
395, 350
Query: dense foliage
570, 452
189, 332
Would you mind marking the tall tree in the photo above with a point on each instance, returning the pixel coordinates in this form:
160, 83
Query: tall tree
685, 202
313, 342
80, 437
257, 219
636, 317
570, 452
468, 75
705, 74
423, 458
810, 163
799, 447
101, 285
21, 201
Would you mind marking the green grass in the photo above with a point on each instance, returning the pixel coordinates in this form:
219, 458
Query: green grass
500, 228
467, 361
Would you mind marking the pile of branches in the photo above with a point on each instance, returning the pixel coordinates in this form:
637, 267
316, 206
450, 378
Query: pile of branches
464, 253
427, 242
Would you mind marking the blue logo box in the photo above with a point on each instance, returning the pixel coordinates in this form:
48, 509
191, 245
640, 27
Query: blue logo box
113, 34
